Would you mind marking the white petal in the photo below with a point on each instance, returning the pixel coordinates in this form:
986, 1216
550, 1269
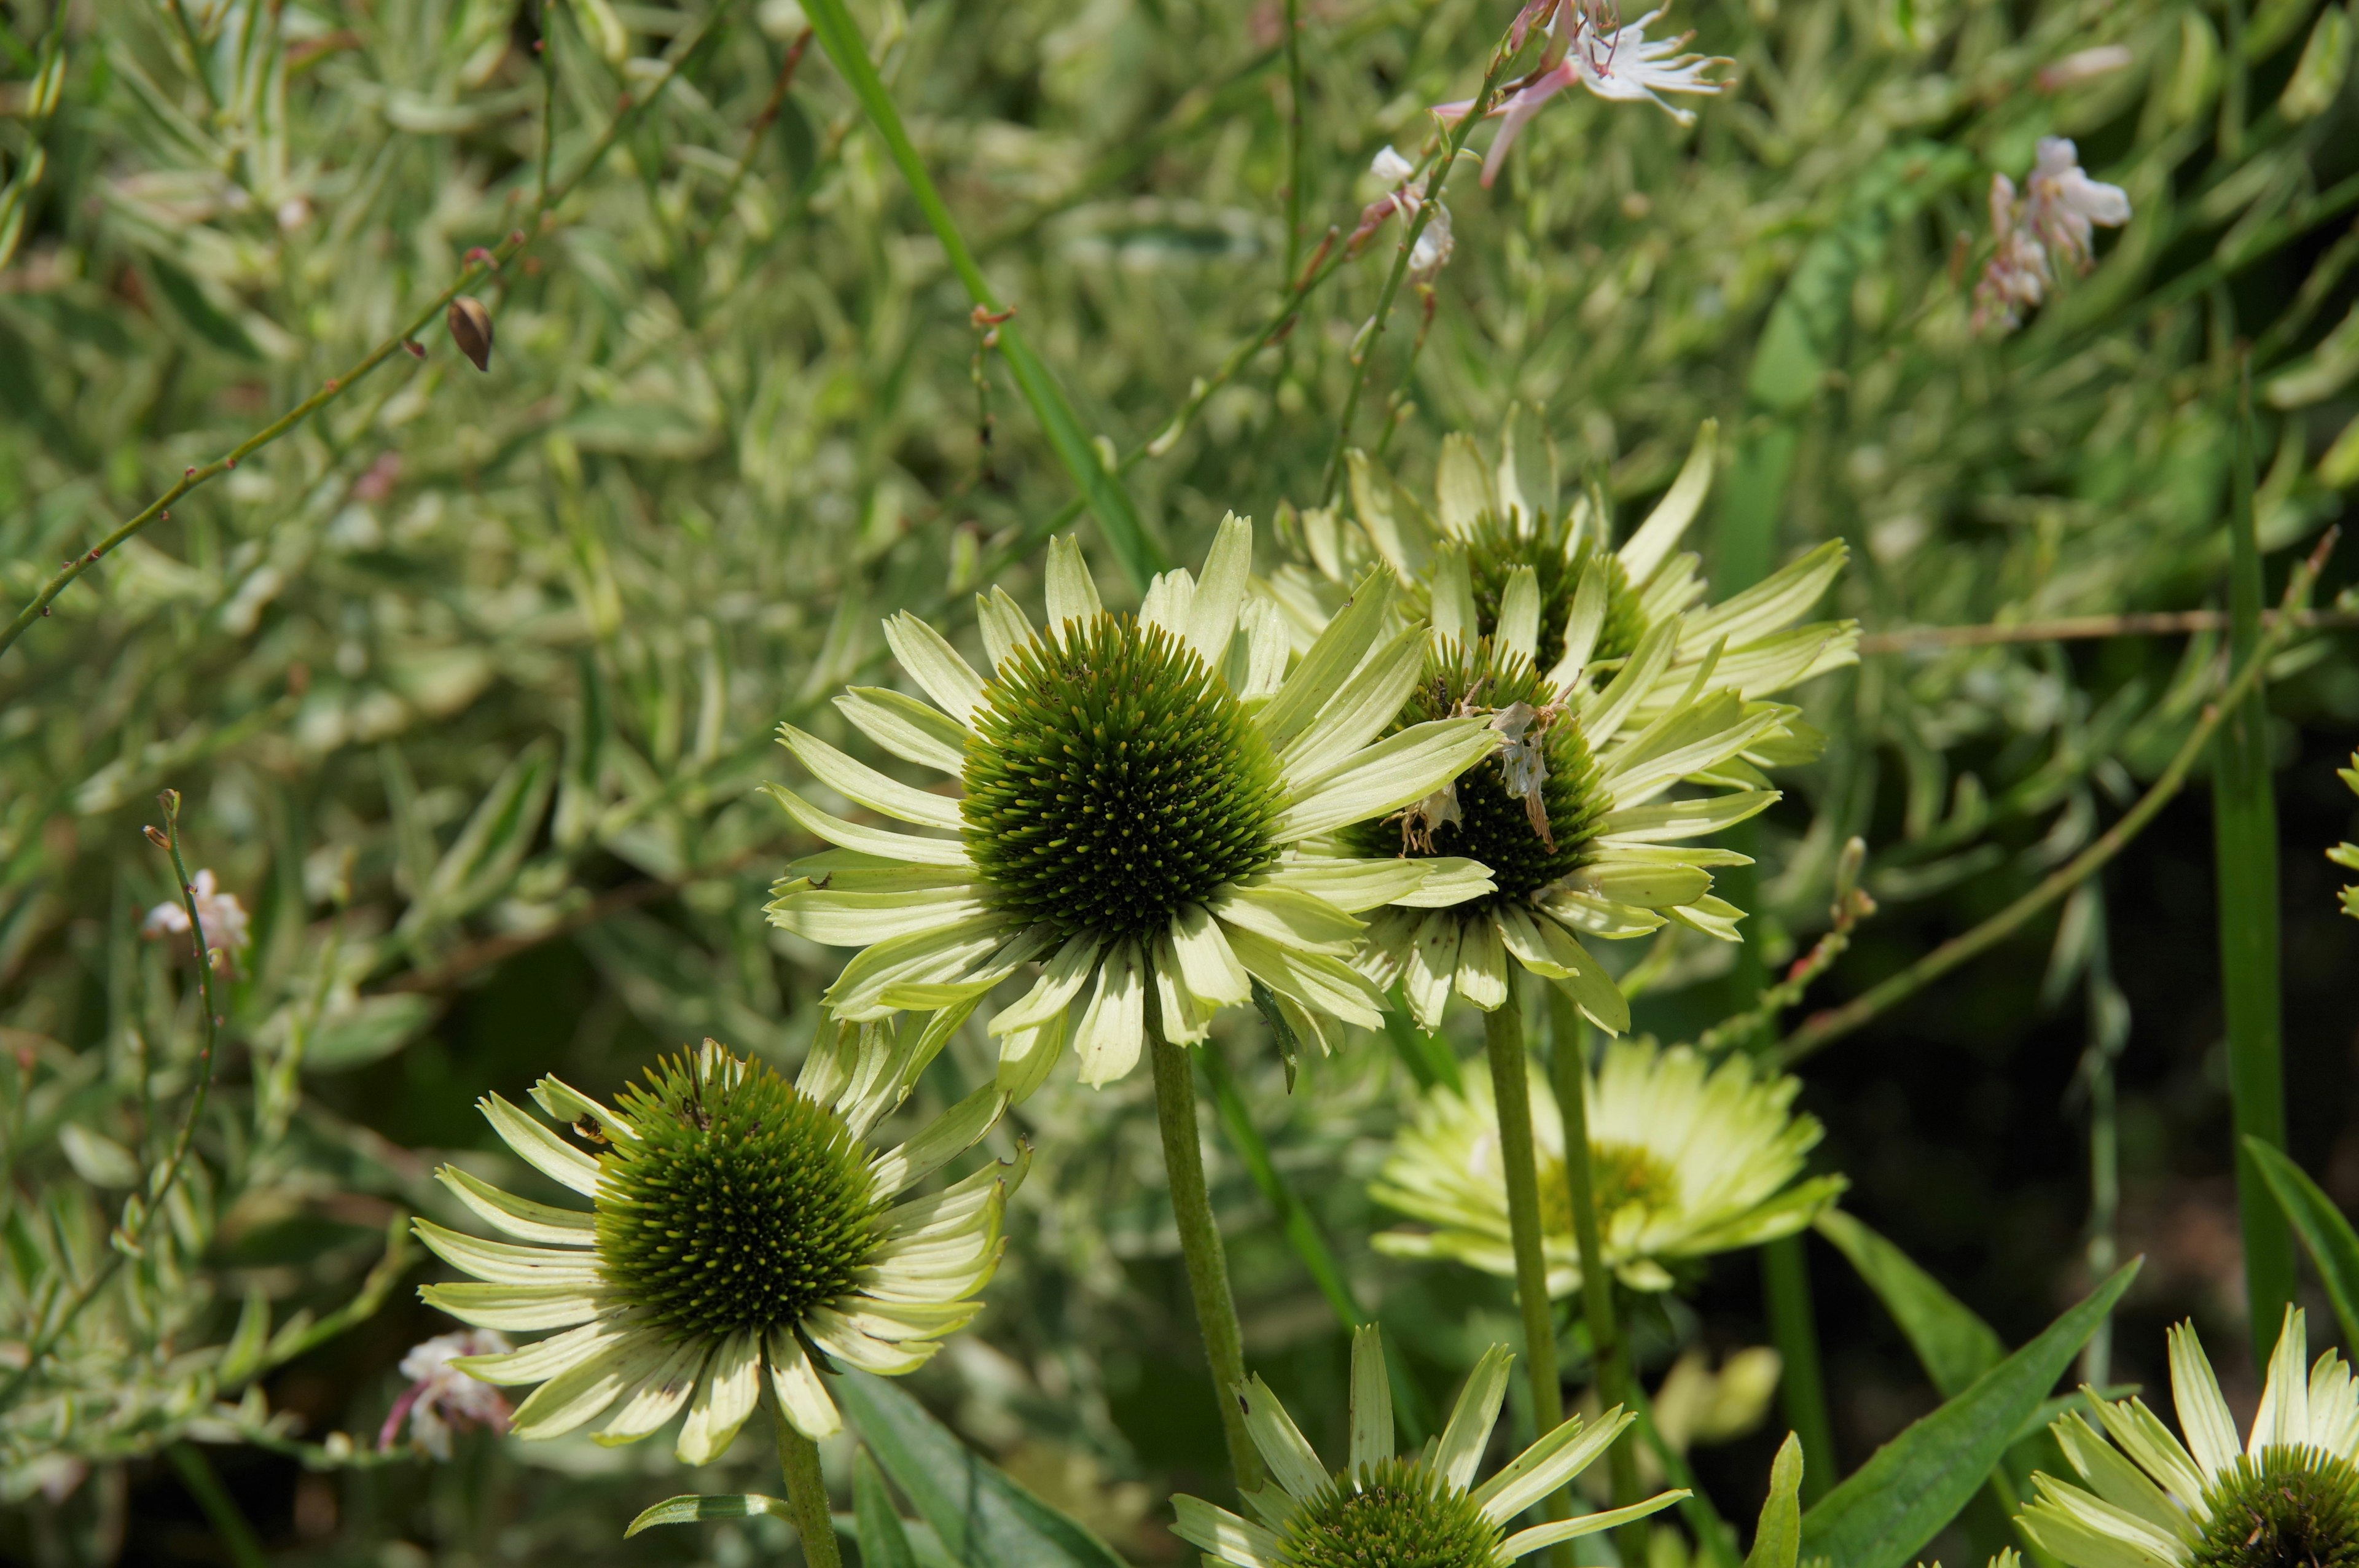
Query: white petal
1113, 1030
658, 1397
1062, 980
907, 727
515, 1306
559, 1353
1385, 776
935, 665
800, 1393
905, 847
1293, 1464
1659, 535
540, 1147
1003, 624
521, 1218
2283, 1420
724, 1396
859, 783
1070, 591
1473, 1418
507, 1262
1372, 1399
581, 1392
1221, 594
2202, 1413
1523, 1542
1519, 614
950, 1134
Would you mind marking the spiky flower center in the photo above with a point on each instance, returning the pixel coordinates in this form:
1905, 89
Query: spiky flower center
1393, 1514
741, 1203
1493, 823
2291, 1508
1115, 780
1620, 1175
1498, 547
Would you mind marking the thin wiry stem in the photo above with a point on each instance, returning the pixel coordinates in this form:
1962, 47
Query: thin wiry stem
1818, 1032
493, 257
1511, 1093
1200, 1248
1295, 168
1363, 349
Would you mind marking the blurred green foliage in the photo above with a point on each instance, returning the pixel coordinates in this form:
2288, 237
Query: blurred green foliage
468, 680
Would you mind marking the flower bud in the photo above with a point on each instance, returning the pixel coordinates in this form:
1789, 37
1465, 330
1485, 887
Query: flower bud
471, 329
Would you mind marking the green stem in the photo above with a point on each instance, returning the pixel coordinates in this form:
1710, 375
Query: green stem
1824, 1029
1200, 1247
1511, 1092
221, 1510
1793, 1329
1295, 167
1568, 1069
1140, 556
2244, 839
807, 1501
1302, 1233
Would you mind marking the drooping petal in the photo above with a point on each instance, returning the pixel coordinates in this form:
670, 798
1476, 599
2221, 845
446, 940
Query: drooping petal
800, 1393
724, 1396
521, 1218
863, 785
906, 726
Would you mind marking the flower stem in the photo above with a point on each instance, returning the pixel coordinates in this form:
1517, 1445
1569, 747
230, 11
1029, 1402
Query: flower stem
1569, 1067
806, 1493
1502, 1044
1200, 1246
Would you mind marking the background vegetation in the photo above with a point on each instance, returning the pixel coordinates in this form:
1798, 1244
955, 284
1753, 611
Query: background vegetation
466, 679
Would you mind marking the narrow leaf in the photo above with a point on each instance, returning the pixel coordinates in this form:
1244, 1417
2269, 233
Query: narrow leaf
1956, 1345
1777, 1538
693, 1508
1883, 1516
884, 1544
2333, 1245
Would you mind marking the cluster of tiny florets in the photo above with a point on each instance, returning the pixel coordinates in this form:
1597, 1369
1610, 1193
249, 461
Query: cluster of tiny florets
1620, 1175
1498, 547
1115, 780
2291, 1507
1393, 1514
1496, 826
739, 1203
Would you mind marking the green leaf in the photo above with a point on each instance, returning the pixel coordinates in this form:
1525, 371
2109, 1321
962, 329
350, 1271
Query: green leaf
694, 1507
884, 1544
1777, 1538
984, 1518
372, 1029
1956, 1345
2333, 1245
208, 320
1885, 1513
1141, 557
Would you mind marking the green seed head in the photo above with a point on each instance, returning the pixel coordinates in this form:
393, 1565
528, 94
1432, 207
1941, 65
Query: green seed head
2291, 1508
1394, 1514
1113, 780
741, 1203
1557, 560
1620, 1175
1496, 826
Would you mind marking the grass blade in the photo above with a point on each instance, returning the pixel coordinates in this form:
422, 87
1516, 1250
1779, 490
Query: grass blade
2333, 1245
1141, 558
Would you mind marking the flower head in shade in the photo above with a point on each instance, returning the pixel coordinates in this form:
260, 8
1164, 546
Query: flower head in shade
743, 1233
2052, 224
1687, 1159
1615, 63
1148, 808
1391, 1508
224, 918
2285, 1498
442, 1398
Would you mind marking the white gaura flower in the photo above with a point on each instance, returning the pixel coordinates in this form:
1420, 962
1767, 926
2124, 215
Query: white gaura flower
223, 916
441, 1398
1614, 63
1686, 1160
2053, 223
742, 1234
1390, 1508
2287, 1497
1489, 521
1147, 809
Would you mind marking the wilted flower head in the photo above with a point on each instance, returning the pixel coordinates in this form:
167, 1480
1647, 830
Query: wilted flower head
1434, 243
1615, 64
441, 1398
224, 918
2053, 221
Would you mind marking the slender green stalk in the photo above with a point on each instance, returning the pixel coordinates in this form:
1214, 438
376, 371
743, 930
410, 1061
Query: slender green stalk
1140, 556
1303, 1235
2108, 1032
221, 1510
1364, 350
1600, 1305
807, 1502
1200, 1246
1511, 1091
1818, 1032
1794, 1330
1295, 168
2245, 840
468, 275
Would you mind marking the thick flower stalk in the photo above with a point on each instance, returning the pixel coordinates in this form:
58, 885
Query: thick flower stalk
2288, 1496
1392, 1509
1147, 809
1686, 1160
742, 1234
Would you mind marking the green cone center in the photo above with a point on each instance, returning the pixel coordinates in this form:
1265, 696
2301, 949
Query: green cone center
2291, 1508
1115, 780
1620, 1175
1493, 824
741, 1203
1397, 1515
1496, 549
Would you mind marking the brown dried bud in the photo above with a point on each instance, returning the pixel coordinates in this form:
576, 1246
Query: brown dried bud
471, 329
156, 837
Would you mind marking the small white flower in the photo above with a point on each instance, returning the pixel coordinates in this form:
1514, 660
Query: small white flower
2054, 219
224, 917
1390, 166
441, 1398
1431, 252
